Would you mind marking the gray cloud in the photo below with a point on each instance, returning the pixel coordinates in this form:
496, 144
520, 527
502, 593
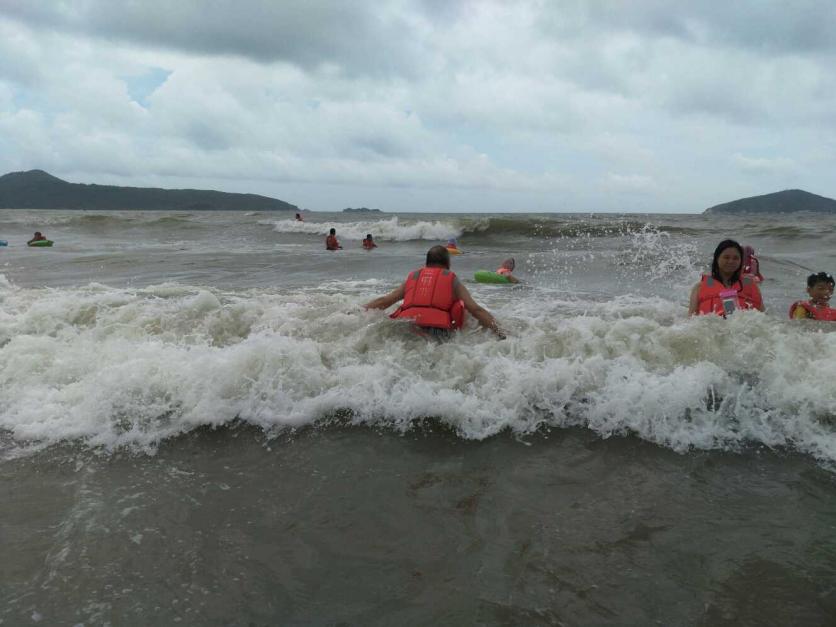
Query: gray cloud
367, 37
496, 100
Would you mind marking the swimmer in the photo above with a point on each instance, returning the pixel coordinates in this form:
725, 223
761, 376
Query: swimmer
331, 242
368, 243
820, 291
507, 268
38, 237
453, 247
751, 266
725, 290
299, 217
435, 298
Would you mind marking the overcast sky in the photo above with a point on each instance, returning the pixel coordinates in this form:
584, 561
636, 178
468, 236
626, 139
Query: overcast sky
433, 105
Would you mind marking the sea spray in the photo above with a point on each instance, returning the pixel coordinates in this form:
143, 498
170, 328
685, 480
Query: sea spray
113, 367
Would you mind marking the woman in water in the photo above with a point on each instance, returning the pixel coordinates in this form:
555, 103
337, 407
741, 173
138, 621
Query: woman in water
724, 290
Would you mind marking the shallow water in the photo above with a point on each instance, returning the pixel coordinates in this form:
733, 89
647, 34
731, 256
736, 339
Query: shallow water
199, 422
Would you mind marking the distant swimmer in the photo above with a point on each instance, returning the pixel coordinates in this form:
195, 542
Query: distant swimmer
368, 243
507, 268
299, 217
820, 290
38, 237
435, 299
453, 247
331, 242
725, 290
751, 266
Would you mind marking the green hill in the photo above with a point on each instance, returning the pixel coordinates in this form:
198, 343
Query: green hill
787, 201
36, 189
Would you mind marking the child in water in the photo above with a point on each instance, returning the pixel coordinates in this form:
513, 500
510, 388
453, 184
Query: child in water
506, 269
368, 243
38, 237
820, 290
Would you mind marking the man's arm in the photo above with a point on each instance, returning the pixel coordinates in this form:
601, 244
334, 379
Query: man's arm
476, 310
382, 302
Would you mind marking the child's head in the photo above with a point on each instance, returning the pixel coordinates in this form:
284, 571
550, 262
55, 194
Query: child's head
368, 236
333, 231
820, 287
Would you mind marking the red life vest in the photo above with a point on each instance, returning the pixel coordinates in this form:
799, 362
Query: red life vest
429, 299
816, 313
744, 293
368, 244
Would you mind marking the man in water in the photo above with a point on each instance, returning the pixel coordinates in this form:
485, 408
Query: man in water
331, 242
299, 217
435, 299
38, 237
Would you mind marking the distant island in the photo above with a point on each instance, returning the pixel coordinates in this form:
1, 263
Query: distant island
36, 189
361, 210
787, 201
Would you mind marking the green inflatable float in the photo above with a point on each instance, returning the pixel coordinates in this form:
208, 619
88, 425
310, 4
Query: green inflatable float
483, 276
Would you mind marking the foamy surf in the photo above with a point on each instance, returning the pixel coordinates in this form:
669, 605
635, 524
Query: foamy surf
113, 368
389, 229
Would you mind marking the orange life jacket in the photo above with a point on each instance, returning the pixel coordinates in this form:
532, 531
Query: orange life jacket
430, 300
331, 243
744, 295
503, 271
369, 244
816, 313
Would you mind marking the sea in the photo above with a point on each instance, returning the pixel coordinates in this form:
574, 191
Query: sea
200, 424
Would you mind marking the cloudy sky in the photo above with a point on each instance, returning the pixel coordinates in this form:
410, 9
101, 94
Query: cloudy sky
427, 105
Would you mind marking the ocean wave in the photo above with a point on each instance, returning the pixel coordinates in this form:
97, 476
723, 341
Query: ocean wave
388, 229
475, 228
115, 368
84, 220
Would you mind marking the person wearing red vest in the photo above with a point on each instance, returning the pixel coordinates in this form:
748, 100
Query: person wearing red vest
434, 298
331, 242
820, 290
724, 290
751, 265
368, 243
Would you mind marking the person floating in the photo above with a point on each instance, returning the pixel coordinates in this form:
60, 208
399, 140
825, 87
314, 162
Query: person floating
507, 268
751, 265
331, 242
38, 237
820, 290
725, 290
368, 243
435, 299
299, 217
453, 247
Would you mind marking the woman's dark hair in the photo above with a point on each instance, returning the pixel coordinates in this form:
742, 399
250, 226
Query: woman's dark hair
715, 267
821, 277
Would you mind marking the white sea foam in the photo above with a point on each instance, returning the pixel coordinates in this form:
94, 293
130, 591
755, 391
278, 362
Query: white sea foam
118, 367
388, 229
